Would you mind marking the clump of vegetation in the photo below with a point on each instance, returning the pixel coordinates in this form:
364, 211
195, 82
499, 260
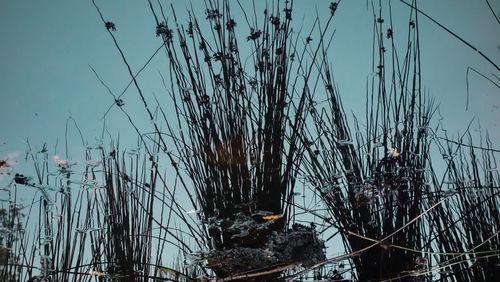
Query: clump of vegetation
380, 184
372, 179
99, 223
10, 225
238, 130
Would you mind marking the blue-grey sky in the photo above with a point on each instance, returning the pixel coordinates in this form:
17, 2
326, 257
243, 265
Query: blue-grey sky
47, 46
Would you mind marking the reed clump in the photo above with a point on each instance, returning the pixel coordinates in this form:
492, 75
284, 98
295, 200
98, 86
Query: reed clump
237, 131
90, 219
380, 182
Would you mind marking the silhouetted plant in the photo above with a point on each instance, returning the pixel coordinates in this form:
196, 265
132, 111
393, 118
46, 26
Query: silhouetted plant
237, 136
377, 180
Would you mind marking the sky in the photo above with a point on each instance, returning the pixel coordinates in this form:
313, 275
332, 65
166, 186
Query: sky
47, 47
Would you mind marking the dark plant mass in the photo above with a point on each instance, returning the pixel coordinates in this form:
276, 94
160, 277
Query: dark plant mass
251, 169
110, 26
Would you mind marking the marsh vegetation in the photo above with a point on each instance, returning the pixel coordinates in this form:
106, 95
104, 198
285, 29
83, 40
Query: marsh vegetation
259, 129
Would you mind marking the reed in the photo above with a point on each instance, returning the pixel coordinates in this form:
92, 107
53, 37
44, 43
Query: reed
237, 132
376, 180
96, 223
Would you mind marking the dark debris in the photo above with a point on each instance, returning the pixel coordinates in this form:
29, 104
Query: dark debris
163, 30
110, 26
255, 245
333, 7
21, 179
